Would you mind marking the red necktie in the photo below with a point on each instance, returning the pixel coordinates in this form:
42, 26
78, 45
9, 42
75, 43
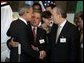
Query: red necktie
34, 34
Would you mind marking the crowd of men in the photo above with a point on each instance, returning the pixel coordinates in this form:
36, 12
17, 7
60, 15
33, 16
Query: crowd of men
45, 36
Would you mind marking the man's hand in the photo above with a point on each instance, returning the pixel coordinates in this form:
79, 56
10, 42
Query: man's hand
42, 54
13, 44
35, 48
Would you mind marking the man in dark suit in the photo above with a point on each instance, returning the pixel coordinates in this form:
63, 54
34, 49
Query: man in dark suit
38, 34
64, 39
19, 31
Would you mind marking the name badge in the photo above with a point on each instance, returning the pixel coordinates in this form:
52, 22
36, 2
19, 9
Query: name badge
42, 41
63, 40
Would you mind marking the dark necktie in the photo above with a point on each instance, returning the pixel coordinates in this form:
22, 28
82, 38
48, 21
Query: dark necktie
34, 34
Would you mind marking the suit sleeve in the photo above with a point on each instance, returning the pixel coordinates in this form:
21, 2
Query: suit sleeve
23, 36
75, 45
20, 34
10, 32
12, 29
8, 41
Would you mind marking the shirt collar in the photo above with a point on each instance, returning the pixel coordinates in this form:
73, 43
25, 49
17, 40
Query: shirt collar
34, 27
23, 20
63, 23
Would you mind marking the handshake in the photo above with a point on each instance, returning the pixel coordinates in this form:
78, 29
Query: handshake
42, 52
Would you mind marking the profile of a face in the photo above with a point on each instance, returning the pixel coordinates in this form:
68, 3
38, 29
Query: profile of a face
55, 16
80, 23
28, 14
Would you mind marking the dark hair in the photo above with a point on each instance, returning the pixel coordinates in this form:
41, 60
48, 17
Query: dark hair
46, 14
37, 4
51, 5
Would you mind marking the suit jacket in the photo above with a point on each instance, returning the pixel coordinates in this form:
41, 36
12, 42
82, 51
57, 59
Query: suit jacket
40, 35
20, 32
68, 51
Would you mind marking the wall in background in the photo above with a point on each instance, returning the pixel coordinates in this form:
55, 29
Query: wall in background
79, 6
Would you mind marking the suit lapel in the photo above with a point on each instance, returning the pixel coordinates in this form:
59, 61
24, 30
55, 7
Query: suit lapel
53, 32
63, 32
32, 37
38, 37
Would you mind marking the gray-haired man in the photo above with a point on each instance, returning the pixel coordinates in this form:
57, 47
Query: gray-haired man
19, 30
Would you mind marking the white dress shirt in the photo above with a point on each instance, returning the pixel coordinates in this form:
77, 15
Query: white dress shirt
23, 20
60, 27
35, 29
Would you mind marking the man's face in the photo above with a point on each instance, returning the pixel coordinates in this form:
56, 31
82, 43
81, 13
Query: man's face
36, 19
28, 14
79, 23
55, 16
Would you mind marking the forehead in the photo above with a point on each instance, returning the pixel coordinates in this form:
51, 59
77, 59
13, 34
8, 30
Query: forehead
56, 11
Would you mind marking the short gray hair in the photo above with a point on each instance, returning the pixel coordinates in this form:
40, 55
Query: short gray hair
23, 9
61, 11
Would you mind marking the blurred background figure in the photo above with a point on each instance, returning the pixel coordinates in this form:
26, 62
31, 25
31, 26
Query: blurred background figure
37, 6
29, 3
6, 19
77, 19
79, 23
